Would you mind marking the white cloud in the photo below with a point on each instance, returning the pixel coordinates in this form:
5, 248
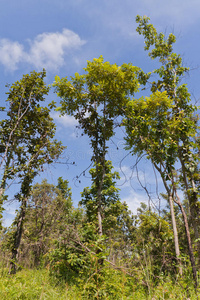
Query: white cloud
129, 174
9, 213
47, 50
126, 175
66, 120
11, 53
133, 200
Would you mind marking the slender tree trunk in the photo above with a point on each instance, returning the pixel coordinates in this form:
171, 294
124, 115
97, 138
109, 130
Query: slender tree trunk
193, 202
99, 212
190, 250
196, 215
194, 223
17, 238
175, 231
3, 180
100, 221
100, 153
1, 192
176, 243
99, 191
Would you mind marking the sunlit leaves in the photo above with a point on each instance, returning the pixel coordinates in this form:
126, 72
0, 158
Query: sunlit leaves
101, 83
148, 125
28, 131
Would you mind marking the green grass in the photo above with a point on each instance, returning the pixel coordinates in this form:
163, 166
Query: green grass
33, 284
38, 285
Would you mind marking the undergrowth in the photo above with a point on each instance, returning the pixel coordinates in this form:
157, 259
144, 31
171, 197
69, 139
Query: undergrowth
38, 284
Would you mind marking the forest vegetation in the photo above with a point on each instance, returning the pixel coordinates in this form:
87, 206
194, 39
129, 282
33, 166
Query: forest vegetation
100, 249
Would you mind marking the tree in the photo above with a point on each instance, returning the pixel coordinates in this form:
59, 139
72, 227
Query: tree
145, 135
96, 99
110, 202
49, 209
153, 245
27, 132
164, 125
27, 139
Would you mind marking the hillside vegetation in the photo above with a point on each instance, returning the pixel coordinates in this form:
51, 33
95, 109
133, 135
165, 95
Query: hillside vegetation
102, 250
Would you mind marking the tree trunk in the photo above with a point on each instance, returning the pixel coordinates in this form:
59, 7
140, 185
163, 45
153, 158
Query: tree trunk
193, 201
190, 250
175, 232
176, 243
99, 212
100, 221
178, 202
195, 214
17, 238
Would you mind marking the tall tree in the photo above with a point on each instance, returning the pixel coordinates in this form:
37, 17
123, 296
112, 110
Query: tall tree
27, 132
164, 125
95, 99
184, 114
27, 138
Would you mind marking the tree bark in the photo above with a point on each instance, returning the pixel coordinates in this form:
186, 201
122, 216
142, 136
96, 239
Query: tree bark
193, 202
190, 250
17, 238
176, 243
175, 232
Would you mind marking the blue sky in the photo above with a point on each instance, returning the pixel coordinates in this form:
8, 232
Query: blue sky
62, 35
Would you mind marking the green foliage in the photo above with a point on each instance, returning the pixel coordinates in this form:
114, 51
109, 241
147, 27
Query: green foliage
27, 137
49, 210
154, 243
27, 133
149, 129
102, 252
102, 82
165, 127
33, 284
63, 187
82, 268
113, 284
106, 284
96, 98
66, 261
110, 203
178, 120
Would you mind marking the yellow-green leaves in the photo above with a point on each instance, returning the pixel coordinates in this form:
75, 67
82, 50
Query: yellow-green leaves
149, 127
98, 96
57, 79
95, 99
102, 83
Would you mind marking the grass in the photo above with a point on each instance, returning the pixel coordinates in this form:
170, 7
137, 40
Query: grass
33, 284
38, 285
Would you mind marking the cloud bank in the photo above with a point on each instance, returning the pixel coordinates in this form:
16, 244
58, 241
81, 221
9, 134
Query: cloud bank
47, 50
